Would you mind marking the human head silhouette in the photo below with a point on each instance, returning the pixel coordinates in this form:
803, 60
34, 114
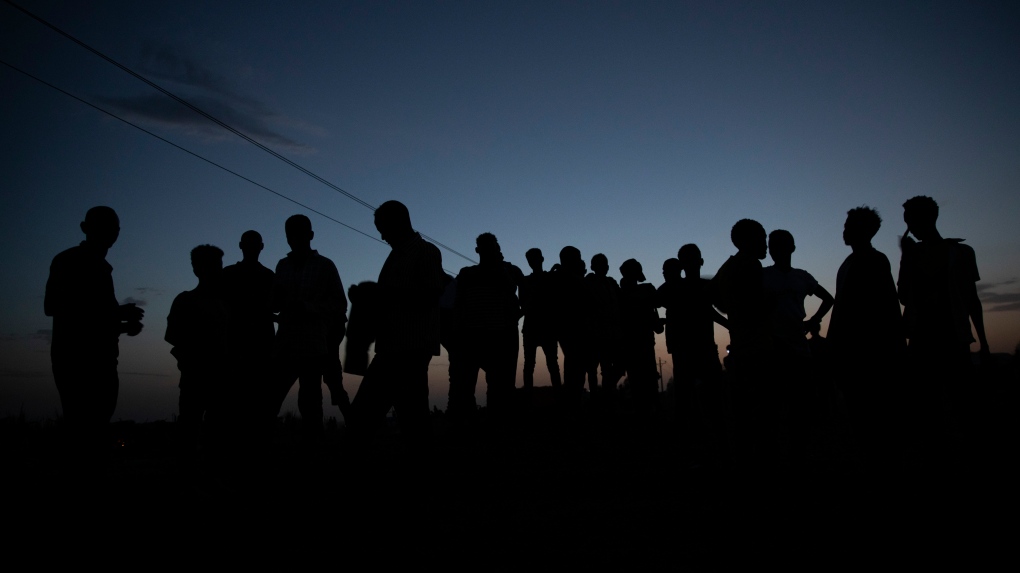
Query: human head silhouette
749, 237
251, 244
600, 265
570, 260
672, 270
631, 270
101, 227
535, 259
862, 223
690, 259
206, 261
487, 247
393, 222
920, 214
781, 246
299, 232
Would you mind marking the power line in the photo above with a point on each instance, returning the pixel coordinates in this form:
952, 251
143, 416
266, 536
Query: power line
218, 122
189, 152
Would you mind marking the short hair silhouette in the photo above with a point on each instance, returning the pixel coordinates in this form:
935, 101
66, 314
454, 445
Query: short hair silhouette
865, 219
745, 233
253, 237
297, 225
394, 213
532, 253
205, 253
922, 207
601, 258
690, 251
571, 254
783, 240
486, 241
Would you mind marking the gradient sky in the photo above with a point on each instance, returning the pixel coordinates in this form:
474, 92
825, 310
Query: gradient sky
627, 128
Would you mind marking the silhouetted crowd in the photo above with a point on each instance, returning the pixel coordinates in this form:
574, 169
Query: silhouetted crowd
245, 334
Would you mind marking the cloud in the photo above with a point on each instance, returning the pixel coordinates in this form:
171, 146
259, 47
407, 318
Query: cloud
43, 334
136, 301
210, 92
161, 110
999, 301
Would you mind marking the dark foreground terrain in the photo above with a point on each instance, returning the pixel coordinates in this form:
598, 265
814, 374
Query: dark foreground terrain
585, 487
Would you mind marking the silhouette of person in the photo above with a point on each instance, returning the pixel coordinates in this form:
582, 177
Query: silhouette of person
604, 326
487, 311
409, 286
248, 291
785, 291
197, 329
937, 286
700, 398
639, 323
87, 323
573, 307
537, 302
737, 290
312, 307
791, 365
866, 337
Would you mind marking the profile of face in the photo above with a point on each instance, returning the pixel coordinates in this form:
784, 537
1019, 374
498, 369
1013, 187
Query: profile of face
101, 227
535, 260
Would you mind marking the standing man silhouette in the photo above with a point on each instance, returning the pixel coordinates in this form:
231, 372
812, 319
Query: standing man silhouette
248, 293
538, 304
410, 284
87, 323
310, 298
937, 286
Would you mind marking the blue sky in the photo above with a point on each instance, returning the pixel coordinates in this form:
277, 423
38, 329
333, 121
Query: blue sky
627, 128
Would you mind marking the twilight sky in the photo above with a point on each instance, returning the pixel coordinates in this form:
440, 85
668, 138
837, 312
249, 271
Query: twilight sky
627, 128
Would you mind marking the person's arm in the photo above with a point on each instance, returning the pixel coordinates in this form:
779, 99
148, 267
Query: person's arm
813, 324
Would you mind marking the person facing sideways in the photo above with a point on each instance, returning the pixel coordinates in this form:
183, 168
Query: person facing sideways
937, 287
247, 292
604, 326
197, 329
312, 307
785, 291
408, 290
866, 337
487, 311
573, 308
737, 291
639, 323
87, 324
537, 302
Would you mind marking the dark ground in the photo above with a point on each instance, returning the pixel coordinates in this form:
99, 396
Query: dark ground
582, 488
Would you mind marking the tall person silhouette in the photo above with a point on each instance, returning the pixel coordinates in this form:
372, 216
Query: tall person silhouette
538, 304
410, 284
248, 292
937, 286
866, 335
312, 310
487, 311
197, 329
87, 324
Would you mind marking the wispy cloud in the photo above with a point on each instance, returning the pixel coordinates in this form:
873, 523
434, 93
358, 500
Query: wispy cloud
210, 92
999, 301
